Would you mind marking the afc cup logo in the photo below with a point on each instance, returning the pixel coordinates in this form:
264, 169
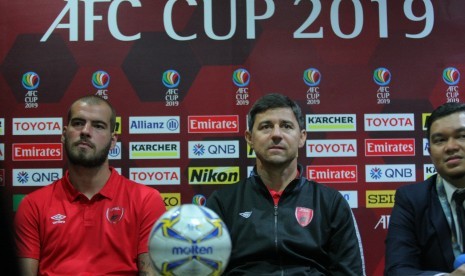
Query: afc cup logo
312, 77
30, 80
451, 76
171, 79
382, 76
241, 77
100, 80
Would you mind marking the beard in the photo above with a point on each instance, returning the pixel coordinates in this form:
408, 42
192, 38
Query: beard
80, 158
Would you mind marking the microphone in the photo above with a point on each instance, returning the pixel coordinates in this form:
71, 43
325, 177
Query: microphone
460, 260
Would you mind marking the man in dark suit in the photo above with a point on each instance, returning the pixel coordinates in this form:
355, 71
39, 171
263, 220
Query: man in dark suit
425, 236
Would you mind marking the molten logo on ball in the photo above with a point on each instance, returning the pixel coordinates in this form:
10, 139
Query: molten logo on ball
190, 240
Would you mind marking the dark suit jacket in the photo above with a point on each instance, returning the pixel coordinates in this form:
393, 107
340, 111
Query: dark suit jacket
418, 240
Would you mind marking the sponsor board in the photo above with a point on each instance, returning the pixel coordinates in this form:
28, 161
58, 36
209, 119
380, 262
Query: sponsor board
2, 177
389, 122
171, 199
115, 153
380, 198
383, 222
213, 124
35, 177
17, 198
213, 149
2, 151
154, 150
424, 118
118, 125
154, 124
428, 171
331, 122
425, 147
37, 126
213, 175
249, 170
250, 152
390, 147
351, 197
37, 151
332, 148
390, 173
333, 173
2, 126
156, 176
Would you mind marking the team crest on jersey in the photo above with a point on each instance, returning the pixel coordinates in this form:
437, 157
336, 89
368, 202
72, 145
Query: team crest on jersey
115, 214
303, 215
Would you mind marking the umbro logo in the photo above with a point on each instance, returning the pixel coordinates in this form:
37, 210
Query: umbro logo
245, 214
58, 218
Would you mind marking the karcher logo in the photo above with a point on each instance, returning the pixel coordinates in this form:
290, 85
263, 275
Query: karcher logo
331, 122
213, 175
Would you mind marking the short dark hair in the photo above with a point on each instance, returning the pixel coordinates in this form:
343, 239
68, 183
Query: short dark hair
275, 100
95, 100
442, 111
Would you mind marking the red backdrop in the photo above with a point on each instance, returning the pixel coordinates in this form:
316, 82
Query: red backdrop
183, 74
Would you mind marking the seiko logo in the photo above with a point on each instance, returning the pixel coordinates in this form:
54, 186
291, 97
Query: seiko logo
390, 147
213, 124
154, 125
156, 176
331, 122
331, 148
389, 122
37, 152
213, 175
37, 126
380, 198
333, 173
171, 199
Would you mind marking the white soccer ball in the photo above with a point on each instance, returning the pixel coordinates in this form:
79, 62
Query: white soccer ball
190, 240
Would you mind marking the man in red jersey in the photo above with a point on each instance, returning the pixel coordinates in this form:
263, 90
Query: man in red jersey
93, 221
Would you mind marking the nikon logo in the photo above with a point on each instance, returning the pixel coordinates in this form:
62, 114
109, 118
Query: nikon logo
213, 175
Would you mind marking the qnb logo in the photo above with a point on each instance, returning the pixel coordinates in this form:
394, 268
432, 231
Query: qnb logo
100, 79
198, 149
312, 77
390, 173
31, 80
171, 79
241, 77
376, 173
451, 76
22, 177
382, 76
192, 250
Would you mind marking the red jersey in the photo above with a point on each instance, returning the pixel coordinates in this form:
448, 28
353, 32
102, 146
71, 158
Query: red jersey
72, 235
